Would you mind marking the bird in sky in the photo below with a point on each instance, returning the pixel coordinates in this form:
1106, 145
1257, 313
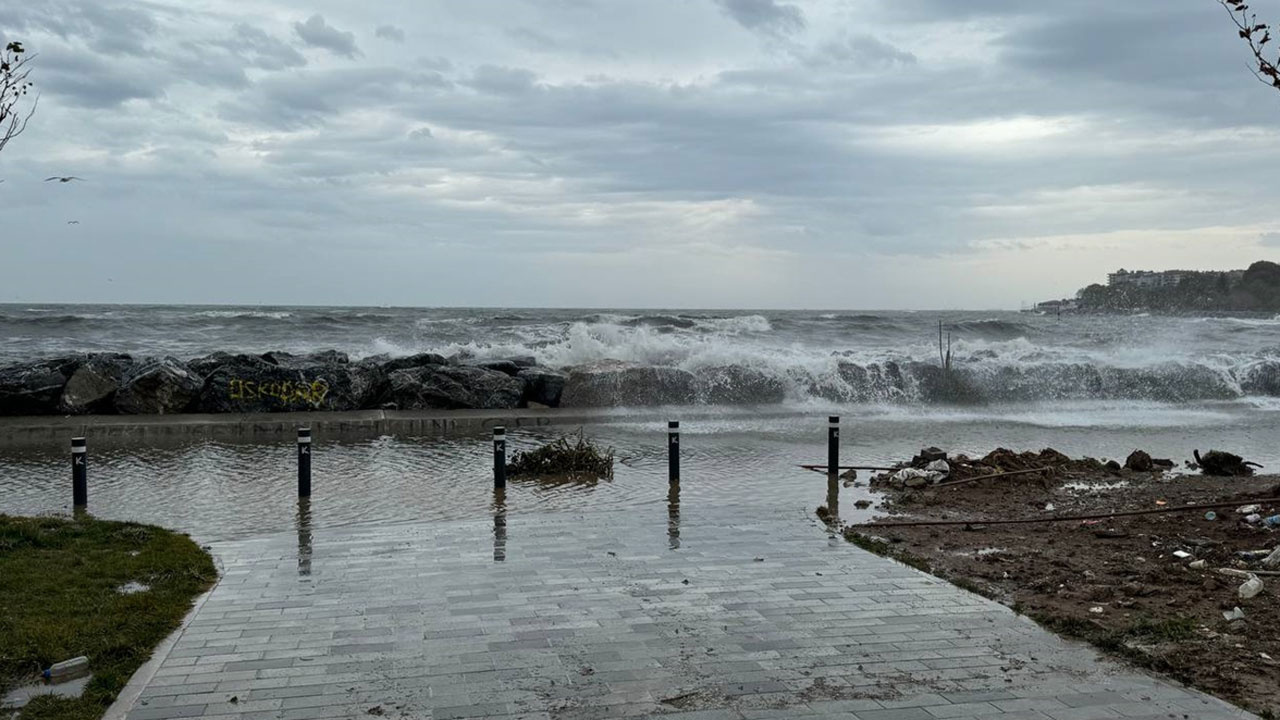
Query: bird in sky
73, 222
63, 178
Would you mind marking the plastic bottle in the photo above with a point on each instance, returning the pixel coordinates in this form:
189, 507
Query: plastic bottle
1271, 522
1251, 587
66, 667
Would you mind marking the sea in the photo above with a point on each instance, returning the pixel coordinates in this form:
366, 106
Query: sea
1096, 385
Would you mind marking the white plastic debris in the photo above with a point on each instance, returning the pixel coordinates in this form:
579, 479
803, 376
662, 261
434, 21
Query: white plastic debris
1233, 614
1096, 609
1253, 519
1272, 560
1196, 564
1181, 554
939, 466
912, 477
1048, 507
1248, 509
66, 667
1250, 588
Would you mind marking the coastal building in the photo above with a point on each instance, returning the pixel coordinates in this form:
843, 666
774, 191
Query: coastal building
1148, 279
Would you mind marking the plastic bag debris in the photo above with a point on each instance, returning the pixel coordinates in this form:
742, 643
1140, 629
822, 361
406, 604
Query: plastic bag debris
1233, 614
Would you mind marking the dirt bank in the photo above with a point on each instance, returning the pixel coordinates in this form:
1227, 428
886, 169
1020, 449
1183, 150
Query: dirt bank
1134, 586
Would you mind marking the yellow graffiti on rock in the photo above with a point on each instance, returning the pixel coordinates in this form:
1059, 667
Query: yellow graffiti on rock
287, 391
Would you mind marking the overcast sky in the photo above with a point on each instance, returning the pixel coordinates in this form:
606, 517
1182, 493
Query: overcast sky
664, 153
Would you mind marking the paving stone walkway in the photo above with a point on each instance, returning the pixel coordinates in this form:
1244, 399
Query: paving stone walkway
703, 614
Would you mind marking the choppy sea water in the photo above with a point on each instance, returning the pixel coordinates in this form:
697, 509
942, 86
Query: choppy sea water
1086, 385
816, 355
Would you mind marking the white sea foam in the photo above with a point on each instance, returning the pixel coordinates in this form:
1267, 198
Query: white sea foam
266, 314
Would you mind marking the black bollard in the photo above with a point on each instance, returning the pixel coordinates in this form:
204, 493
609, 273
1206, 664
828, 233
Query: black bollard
833, 445
673, 451
304, 462
499, 458
79, 473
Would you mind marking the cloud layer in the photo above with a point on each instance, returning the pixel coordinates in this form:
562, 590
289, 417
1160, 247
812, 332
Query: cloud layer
889, 153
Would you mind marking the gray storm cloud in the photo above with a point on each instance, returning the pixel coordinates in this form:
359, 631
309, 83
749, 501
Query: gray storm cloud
558, 152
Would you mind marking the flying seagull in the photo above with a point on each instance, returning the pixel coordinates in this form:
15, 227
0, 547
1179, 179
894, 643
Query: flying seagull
73, 222
62, 178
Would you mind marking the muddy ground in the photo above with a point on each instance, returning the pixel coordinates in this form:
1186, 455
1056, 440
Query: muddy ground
1115, 582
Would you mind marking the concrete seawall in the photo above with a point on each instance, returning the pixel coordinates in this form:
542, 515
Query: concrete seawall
35, 431
56, 431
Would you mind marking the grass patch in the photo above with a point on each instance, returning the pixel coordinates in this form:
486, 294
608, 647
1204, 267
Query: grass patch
59, 599
569, 456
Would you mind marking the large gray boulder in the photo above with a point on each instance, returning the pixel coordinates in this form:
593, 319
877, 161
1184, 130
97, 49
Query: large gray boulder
246, 384
613, 384
204, 366
542, 386
92, 387
33, 388
412, 361
290, 360
158, 387
451, 387
737, 385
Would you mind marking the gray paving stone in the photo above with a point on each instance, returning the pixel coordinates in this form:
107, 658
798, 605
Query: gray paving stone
422, 617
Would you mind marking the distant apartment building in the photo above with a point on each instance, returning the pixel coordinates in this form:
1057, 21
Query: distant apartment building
1167, 278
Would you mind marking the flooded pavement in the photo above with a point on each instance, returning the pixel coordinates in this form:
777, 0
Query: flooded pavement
680, 609
218, 490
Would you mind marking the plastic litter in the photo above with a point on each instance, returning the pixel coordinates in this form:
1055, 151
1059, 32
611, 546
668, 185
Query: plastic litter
1211, 515
1253, 519
1272, 560
1250, 588
911, 477
1181, 554
1271, 522
1096, 610
1048, 507
1252, 554
66, 667
1196, 564
1248, 509
939, 466
1233, 614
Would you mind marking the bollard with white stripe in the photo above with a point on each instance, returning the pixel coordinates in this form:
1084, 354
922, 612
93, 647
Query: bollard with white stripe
79, 473
673, 451
833, 445
304, 462
499, 458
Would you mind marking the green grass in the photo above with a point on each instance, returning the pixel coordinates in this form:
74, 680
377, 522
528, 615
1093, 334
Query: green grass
58, 600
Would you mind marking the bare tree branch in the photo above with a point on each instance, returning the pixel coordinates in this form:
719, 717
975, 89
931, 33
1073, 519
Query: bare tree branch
1257, 35
15, 84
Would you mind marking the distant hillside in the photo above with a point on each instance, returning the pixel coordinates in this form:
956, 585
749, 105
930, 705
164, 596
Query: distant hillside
1257, 290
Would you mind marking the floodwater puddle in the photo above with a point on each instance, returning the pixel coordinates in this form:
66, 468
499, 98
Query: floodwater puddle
20, 696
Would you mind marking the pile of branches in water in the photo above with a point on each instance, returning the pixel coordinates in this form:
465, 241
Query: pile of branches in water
573, 455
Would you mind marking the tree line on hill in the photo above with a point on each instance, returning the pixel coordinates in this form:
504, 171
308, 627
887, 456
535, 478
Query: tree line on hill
1258, 290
